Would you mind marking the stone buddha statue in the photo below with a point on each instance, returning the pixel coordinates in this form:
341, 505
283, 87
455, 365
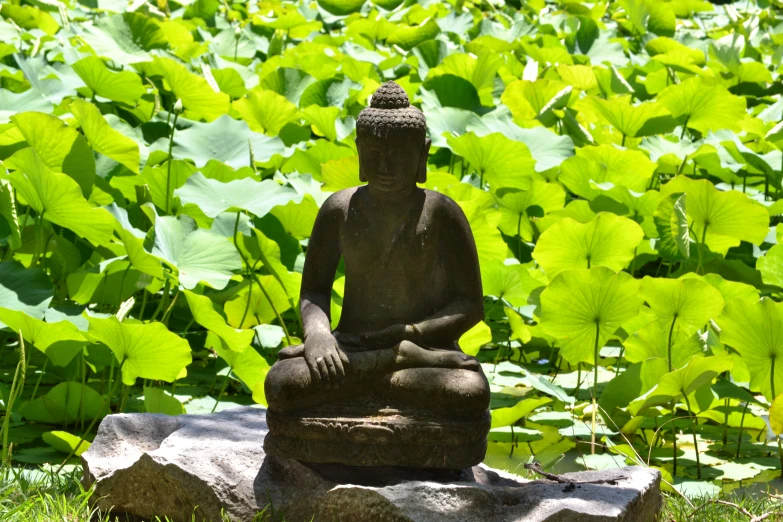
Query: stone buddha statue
390, 385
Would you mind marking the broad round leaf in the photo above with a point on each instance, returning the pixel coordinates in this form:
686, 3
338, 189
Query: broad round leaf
197, 254
149, 351
755, 330
582, 308
608, 240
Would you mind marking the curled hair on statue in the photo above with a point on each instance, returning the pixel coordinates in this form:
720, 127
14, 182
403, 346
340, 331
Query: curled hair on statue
390, 114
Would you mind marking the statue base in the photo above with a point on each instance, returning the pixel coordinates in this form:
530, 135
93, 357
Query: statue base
377, 437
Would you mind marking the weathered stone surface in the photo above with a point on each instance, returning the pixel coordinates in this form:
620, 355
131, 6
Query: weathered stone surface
378, 437
148, 465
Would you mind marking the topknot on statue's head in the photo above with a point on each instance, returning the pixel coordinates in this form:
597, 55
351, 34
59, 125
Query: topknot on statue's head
391, 114
390, 96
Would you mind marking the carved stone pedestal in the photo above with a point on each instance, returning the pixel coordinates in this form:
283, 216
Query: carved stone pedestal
204, 466
377, 437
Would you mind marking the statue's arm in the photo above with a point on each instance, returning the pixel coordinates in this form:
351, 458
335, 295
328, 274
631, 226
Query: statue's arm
467, 307
323, 255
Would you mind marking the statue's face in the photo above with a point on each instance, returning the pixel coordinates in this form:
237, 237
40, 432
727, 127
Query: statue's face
391, 165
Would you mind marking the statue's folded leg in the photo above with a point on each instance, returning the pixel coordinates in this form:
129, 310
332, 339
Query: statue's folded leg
450, 392
454, 378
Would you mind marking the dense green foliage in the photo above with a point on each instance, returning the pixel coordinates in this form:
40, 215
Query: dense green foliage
619, 164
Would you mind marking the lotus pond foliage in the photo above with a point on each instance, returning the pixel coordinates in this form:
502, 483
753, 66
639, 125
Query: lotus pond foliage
620, 165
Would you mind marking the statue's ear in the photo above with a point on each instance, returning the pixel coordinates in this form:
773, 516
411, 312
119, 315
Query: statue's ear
425, 151
361, 174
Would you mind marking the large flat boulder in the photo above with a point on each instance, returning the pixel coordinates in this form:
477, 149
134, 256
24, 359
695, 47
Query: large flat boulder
148, 464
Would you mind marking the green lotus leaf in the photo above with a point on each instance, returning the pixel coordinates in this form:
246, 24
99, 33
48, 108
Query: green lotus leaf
471, 341
125, 38
728, 289
671, 222
104, 139
266, 111
698, 105
204, 313
65, 442
547, 148
263, 307
720, 218
341, 174
63, 404
225, 139
214, 197
698, 373
636, 380
755, 330
27, 290
683, 305
408, 37
608, 240
430, 54
480, 72
580, 77
58, 198
519, 330
323, 120
107, 283
652, 342
311, 160
287, 82
503, 162
161, 178
158, 401
518, 207
448, 90
149, 351
123, 87
636, 121
332, 92
198, 98
248, 365
629, 168
133, 240
483, 224
528, 100
514, 283
583, 308
449, 120
60, 341
771, 266
341, 7
61, 148
198, 255
776, 415
510, 416
649, 15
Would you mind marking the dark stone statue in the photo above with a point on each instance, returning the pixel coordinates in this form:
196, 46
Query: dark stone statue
390, 386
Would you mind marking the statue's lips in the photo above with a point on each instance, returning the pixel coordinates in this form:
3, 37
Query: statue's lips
385, 179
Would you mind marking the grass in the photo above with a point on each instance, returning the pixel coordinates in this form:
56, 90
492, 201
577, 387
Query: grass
46, 497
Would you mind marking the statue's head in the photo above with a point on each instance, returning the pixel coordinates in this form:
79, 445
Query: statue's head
391, 137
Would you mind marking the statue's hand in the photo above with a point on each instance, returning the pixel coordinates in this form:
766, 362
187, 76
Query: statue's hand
325, 359
388, 336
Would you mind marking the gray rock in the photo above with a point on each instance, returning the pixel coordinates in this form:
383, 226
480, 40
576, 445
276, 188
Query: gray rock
148, 464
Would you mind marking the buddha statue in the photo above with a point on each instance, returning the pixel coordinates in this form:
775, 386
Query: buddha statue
390, 385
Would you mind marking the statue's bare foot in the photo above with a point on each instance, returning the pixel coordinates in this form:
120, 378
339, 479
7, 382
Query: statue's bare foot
410, 355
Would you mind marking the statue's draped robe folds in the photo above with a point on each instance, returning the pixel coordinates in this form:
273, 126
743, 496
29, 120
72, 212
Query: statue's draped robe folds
390, 385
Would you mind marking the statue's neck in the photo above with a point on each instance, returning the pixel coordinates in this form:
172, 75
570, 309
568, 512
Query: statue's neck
382, 197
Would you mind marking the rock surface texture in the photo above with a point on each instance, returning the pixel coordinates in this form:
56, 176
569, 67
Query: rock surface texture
148, 464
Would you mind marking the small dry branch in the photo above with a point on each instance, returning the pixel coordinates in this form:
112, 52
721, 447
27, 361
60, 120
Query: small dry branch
535, 467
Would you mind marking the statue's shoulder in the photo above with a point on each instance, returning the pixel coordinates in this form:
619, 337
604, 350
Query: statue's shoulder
444, 207
338, 202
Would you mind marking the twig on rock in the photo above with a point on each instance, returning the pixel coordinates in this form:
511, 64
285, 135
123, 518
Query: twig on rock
535, 467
